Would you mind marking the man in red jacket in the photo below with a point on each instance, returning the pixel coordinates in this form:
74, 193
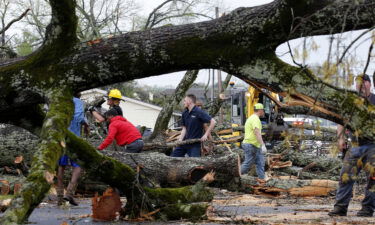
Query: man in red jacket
125, 133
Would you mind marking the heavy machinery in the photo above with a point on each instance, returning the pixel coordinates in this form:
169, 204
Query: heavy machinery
242, 106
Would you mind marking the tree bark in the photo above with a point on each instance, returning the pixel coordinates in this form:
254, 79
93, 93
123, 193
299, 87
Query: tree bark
174, 171
301, 159
123, 177
165, 114
15, 142
12, 183
294, 187
43, 167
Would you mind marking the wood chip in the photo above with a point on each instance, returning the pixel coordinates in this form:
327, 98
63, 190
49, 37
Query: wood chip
209, 177
17, 188
106, 207
4, 204
5, 188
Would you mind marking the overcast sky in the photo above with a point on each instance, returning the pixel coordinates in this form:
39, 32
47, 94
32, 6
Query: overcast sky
315, 57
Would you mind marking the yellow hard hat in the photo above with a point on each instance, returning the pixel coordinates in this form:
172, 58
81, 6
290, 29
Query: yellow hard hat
114, 93
258, 106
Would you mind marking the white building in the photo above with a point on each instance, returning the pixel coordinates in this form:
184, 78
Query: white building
137, 112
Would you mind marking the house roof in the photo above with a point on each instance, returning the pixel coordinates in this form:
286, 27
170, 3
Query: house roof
127, 99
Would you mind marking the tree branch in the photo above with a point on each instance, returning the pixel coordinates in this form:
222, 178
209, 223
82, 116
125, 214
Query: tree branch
13, 21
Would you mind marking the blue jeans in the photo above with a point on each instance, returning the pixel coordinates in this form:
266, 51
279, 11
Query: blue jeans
349, 172
253, 155
134, 147
193, 150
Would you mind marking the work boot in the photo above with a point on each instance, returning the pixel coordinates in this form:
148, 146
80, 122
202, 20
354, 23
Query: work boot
338, 211
70, 193
70, 199
365, 212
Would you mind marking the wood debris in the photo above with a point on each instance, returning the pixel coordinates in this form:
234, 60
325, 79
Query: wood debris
302, 188
106, 207
5, 187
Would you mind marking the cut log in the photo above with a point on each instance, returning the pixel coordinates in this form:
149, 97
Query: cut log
294, 187
274, 162
174, 171
10, 185
15, 142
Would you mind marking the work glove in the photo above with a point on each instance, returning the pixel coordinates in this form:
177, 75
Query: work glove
264, 149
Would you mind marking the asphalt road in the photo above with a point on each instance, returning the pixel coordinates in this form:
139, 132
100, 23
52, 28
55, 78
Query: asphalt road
227, 208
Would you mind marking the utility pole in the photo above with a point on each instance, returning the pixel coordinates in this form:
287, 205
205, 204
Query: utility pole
219, 81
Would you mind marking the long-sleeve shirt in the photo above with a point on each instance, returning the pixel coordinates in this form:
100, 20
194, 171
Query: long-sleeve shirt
122, 130
78, 117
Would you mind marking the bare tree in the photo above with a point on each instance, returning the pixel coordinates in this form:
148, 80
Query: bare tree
170, 10
98, 18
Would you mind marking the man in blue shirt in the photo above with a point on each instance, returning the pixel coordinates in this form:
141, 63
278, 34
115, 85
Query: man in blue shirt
75, 127
193, 120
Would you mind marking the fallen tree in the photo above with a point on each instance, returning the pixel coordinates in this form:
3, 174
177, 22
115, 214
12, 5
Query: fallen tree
241, 43
124, 178
174, 171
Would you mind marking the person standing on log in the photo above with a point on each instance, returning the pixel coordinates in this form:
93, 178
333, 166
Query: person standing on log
354, 160
126, 134
193, 120
113, 100
75, 127
253, 144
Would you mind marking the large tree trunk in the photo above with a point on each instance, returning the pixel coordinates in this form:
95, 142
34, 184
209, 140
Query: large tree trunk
121, 176
174, 171
15, 142
165, 114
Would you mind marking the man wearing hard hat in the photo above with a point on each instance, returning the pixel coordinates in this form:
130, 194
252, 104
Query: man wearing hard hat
113, 100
